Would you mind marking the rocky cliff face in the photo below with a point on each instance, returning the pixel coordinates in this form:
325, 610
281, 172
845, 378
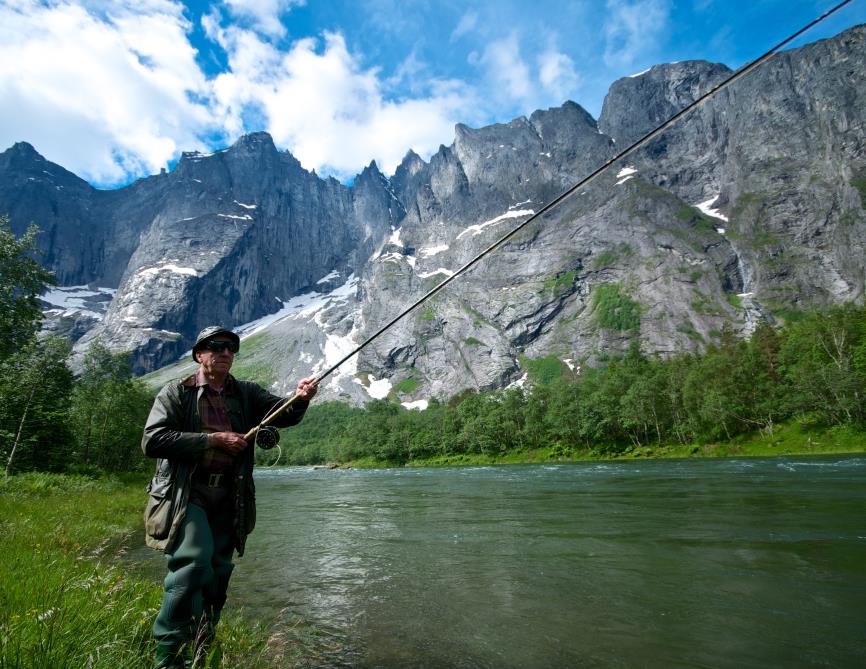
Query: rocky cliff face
748, 208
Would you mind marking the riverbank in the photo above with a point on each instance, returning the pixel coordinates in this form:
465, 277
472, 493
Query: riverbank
794, 438
67, 597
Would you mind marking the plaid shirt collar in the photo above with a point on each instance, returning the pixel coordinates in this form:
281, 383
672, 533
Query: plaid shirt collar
198, 380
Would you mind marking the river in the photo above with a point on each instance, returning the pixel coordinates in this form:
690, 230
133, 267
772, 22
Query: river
689, 563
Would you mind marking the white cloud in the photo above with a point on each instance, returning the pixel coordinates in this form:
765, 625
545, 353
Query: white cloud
329, 112
103, 95
112, 90
264, 14
632, 30
507, 70
557, 74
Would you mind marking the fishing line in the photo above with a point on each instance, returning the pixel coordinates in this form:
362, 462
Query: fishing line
743, 71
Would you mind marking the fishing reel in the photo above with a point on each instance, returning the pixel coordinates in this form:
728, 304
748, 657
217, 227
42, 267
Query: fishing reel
267, 437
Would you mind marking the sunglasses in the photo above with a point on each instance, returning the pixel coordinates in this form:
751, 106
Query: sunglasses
217, 346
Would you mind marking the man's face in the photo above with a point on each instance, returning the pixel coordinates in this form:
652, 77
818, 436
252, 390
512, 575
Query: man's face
216, 355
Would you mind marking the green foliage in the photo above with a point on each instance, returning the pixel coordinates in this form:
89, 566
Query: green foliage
48, 420
612, 255
472, 341
695, 218
560, 284
407, 386
428, 314
35, 385
824, 356
107, 411
689, 330
22, 280
634, 406
544, 370
614, 310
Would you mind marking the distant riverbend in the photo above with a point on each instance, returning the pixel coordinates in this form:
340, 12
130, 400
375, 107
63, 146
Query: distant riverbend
691, 563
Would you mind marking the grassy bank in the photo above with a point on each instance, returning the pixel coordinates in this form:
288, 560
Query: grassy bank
793, 438
68, 600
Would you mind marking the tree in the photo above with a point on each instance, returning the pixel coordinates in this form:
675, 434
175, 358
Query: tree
35, 385
822, 358
108, 410
646, 405
760, 376
22, 280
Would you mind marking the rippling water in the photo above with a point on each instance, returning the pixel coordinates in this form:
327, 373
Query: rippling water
698, 563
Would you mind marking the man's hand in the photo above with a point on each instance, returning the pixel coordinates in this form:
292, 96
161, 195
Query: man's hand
307, 388
233, 442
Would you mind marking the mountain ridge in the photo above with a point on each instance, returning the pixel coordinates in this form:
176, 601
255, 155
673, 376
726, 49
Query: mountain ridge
747, 210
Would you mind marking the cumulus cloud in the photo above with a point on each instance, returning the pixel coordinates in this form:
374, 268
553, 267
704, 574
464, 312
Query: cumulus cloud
114, 89
507, 70
104, 95
557, 74
331, 113
633, 29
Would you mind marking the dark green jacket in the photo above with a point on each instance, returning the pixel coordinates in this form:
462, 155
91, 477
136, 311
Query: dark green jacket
173, 435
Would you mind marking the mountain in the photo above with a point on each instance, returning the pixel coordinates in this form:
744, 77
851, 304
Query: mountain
752, 207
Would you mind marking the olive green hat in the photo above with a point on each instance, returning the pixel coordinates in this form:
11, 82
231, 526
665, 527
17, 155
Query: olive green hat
213, 331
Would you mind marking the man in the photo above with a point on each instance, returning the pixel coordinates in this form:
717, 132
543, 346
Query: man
202, 498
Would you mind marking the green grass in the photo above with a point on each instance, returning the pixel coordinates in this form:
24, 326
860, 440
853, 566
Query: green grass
612, 255
67, 598
260, 371
695, 218
614, 310
792, 438
560, 284
544, 370
407, 386
735, 300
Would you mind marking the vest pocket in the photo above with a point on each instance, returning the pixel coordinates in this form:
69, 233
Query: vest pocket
158, 511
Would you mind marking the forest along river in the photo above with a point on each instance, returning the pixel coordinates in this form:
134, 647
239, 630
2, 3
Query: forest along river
688, 563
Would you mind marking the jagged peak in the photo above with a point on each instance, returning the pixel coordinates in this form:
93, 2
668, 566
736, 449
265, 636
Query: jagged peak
255, 140
371, 172
24, 149
411, 164
569, 110
676, 68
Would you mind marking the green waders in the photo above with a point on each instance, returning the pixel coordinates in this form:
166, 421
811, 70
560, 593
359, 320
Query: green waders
199, 569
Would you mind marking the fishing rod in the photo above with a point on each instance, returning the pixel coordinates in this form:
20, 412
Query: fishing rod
741, 72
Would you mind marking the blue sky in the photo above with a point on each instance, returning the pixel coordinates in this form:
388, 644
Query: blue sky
115, 89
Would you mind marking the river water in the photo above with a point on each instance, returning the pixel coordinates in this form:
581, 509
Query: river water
691, 563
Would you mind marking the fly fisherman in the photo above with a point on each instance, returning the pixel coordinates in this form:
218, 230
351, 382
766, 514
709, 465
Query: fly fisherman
202, 498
